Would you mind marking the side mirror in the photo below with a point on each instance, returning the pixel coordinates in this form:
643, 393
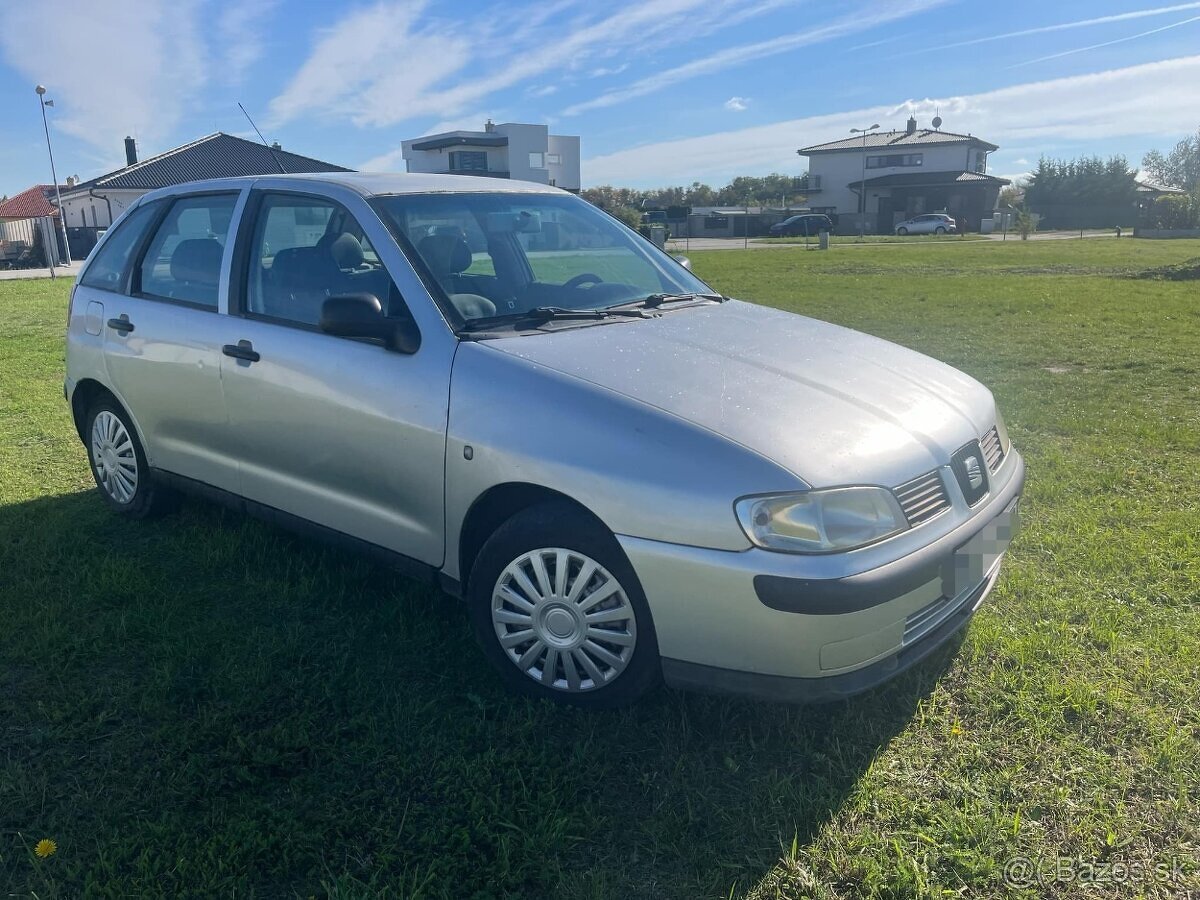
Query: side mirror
361, 316
684, 261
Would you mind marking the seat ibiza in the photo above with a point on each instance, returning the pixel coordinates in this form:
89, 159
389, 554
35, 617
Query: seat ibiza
505, 392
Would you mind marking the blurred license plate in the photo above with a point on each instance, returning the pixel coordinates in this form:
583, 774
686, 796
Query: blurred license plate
975, 559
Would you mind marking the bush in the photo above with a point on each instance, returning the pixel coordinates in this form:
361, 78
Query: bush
627, 215
1176, 211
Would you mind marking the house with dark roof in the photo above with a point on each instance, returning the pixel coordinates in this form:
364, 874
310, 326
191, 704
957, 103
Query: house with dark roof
95, 204
889, 176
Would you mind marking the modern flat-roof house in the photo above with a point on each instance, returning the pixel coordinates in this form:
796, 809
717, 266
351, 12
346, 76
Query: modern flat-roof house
909, 172
509, 150
95, 204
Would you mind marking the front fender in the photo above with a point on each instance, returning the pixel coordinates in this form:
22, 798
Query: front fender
644, 472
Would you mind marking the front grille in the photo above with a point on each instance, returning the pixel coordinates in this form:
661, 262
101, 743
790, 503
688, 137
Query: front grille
993, 449
923, 498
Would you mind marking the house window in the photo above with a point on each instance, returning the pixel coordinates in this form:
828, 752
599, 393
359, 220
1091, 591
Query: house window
554, 159
468, 161
537, 160
895, 160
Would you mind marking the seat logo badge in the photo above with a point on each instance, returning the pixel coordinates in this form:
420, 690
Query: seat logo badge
974, 472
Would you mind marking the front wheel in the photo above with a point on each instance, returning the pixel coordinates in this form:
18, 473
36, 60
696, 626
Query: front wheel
902, 231
939, 230
559, 611
118, 463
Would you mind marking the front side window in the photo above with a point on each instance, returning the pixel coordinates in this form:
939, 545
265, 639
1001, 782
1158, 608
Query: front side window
305, 250
498, 253
107, 271
183, 260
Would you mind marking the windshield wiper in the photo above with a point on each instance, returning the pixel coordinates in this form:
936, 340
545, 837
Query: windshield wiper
653, 301
540, 315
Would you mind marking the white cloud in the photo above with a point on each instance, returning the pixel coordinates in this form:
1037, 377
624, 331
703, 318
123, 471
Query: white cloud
396, 60
1021, 162
239, 34
152, 62
544, 91
859, 20
1109, 104
1061, 26
736, 104
604, 70
1120, 40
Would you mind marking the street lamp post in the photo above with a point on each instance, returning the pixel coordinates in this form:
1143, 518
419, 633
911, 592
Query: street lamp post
62, 215
862, 185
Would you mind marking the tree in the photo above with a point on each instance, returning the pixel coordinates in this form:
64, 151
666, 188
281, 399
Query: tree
1178, 169
1175, 211
774, 189
1088, 192
1011, 195
627, 215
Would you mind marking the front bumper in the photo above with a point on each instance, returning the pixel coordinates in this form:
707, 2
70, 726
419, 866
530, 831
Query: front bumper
811, 628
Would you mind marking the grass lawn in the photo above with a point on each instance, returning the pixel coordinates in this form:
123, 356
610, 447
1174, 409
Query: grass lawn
209, 707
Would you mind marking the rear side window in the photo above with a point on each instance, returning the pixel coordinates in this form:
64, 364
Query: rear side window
107, 271
183, 260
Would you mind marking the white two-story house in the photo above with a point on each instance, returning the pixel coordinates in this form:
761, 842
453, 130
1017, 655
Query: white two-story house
909, 172
509, 150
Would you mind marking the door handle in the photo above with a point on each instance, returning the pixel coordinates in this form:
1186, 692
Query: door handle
242, 350
122, 324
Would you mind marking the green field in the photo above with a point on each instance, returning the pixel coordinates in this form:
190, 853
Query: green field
209, 707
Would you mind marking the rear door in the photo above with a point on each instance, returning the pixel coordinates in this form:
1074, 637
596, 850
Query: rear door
162, 340
339, 431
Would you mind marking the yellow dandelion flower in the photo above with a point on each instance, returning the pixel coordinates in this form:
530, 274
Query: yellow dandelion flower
956, 729
45, 847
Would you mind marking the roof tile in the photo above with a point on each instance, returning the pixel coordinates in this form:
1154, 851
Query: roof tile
31, 204
922, 137
217, 155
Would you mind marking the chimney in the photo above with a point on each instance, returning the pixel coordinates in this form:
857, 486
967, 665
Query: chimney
912, 125
489, 126
276, 146
130, 151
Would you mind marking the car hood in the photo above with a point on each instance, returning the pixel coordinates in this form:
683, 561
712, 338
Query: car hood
832, 405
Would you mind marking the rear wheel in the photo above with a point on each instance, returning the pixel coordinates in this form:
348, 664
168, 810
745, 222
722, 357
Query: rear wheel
939, 230
559, 611
118, 463
902, 231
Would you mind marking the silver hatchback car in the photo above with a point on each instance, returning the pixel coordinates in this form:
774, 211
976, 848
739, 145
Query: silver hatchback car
505, 392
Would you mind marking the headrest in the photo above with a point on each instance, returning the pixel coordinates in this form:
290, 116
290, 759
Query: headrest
445, 254
198, 261
346, 251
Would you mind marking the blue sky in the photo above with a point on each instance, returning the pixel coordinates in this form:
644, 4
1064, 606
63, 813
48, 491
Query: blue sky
660, 91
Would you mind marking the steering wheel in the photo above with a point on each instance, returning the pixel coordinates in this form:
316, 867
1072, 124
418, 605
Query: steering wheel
581, 280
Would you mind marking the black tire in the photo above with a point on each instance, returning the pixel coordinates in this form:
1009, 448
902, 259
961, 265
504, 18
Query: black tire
148, 498
561, 525
903, 232
939, 230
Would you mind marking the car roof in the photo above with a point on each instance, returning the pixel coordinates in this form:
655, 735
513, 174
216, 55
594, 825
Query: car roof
372, 184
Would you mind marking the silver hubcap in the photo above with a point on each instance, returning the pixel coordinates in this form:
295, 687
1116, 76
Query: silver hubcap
563, 619
114, 458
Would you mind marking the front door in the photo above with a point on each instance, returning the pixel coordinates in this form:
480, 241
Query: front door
339, 431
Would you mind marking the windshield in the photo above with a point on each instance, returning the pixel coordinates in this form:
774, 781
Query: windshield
507, 253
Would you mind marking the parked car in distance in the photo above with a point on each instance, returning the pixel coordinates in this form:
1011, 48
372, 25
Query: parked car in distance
805, 225
933, 223
625, 475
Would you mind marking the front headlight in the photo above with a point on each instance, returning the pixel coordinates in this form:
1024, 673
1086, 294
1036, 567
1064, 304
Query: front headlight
821, 521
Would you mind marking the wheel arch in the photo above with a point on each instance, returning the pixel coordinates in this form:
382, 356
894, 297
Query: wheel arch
87, 391
497, 505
